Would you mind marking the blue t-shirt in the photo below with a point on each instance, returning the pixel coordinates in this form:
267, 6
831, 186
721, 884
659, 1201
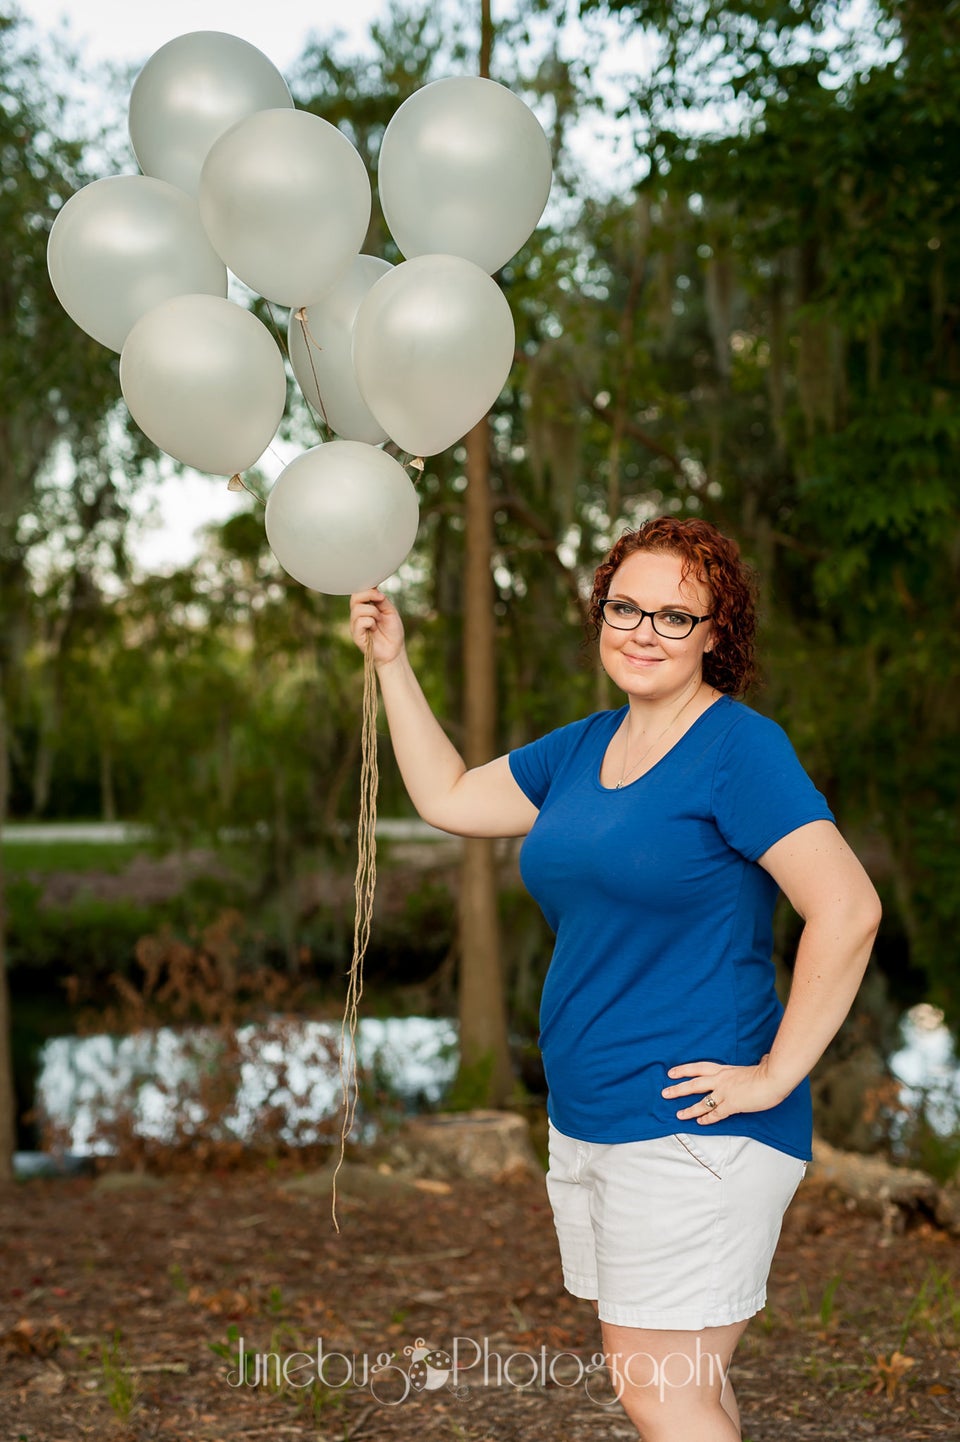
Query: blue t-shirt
663, 919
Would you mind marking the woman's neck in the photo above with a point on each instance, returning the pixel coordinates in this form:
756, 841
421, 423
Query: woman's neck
648, 714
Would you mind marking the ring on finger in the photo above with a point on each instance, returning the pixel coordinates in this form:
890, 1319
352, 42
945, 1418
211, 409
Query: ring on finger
711, 1101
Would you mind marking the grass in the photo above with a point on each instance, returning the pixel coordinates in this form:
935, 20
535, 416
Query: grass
827, 1301
884, 1365
178, 1278
28, 857
265, 1369
936, 1308
119, 1380
230, 1352
823, 1315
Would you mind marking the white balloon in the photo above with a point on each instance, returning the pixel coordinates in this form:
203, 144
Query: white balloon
342, 517
189, 92
433, 344
120, 246
464, 169
285, 199
320, 349
204, 379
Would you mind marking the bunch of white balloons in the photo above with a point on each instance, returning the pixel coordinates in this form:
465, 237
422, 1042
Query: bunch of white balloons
234, 176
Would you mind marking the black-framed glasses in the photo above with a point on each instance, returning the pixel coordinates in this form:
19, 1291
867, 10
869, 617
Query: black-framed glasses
671, 625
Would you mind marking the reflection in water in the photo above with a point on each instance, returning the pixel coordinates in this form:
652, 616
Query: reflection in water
283, 1078
928, 1068
283, 1075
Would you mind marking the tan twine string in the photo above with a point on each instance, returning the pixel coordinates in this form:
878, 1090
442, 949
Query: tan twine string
237, 483
363, 890
310, 341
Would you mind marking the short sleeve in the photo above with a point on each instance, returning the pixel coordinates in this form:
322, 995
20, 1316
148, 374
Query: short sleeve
760, 790
534, 766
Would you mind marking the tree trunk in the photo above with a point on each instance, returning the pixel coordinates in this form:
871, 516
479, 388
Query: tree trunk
8, 1110
45, 757
108, 796
896, 1194
486, 39
485, 1077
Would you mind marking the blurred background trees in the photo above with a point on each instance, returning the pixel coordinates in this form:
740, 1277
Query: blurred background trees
753, 319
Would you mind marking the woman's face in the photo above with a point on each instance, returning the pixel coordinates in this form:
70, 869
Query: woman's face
641, 663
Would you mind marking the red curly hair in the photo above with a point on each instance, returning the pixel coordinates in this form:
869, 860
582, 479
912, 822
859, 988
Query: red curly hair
714, 559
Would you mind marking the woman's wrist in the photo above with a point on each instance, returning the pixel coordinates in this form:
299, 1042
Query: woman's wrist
780, 1079
391, 662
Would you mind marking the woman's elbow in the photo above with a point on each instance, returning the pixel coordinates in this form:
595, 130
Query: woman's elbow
866, 913
851, 916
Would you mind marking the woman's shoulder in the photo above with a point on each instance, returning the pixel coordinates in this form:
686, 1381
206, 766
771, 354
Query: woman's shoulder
576, 745
750, 741
760, 786
598, 725
588, 727
743, 722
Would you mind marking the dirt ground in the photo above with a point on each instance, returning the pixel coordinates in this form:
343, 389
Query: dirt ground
125, 1303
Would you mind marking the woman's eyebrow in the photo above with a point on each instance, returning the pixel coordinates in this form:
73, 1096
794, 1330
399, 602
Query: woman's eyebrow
670, 606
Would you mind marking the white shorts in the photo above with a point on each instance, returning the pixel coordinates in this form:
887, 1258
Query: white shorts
677, 1232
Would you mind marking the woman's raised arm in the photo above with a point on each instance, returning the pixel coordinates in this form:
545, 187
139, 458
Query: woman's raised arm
483, 801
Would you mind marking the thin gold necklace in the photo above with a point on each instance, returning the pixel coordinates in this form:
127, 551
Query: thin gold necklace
624, 773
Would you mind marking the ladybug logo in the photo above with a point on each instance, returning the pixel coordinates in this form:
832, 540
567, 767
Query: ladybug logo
429, 1369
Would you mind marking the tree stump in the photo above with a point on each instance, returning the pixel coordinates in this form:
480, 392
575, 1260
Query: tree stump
895, 1194
491, 1144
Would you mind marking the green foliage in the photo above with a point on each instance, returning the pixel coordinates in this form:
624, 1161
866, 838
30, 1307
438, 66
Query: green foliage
759, 328
471, 1088
231, 1351
935, 1153
119, 1380
88, 937
935, 1309
412, 946
828, 1301
715, 54
67, 464
36, 858
805, 251
204, 992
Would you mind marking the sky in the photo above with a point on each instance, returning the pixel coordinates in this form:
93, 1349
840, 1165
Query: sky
126, 31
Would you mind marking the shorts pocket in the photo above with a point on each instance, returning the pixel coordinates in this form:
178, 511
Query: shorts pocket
694, 1148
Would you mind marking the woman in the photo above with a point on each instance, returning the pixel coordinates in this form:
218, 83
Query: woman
657, 838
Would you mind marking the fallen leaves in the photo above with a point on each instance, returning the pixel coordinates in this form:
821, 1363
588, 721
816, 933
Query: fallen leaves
27, 1339
226, 1302
888, 1372
171, 1273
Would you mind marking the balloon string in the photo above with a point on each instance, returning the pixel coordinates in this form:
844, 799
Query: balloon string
363, 891
278, 332
237, 483
309, 341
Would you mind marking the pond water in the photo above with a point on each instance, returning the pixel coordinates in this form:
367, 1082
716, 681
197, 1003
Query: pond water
284, 1078
284, 1075
927, 1067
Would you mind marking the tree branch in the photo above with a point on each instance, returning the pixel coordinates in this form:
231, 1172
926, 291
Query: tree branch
633, 429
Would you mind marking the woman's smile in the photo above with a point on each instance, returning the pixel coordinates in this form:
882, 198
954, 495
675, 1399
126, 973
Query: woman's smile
656, 581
